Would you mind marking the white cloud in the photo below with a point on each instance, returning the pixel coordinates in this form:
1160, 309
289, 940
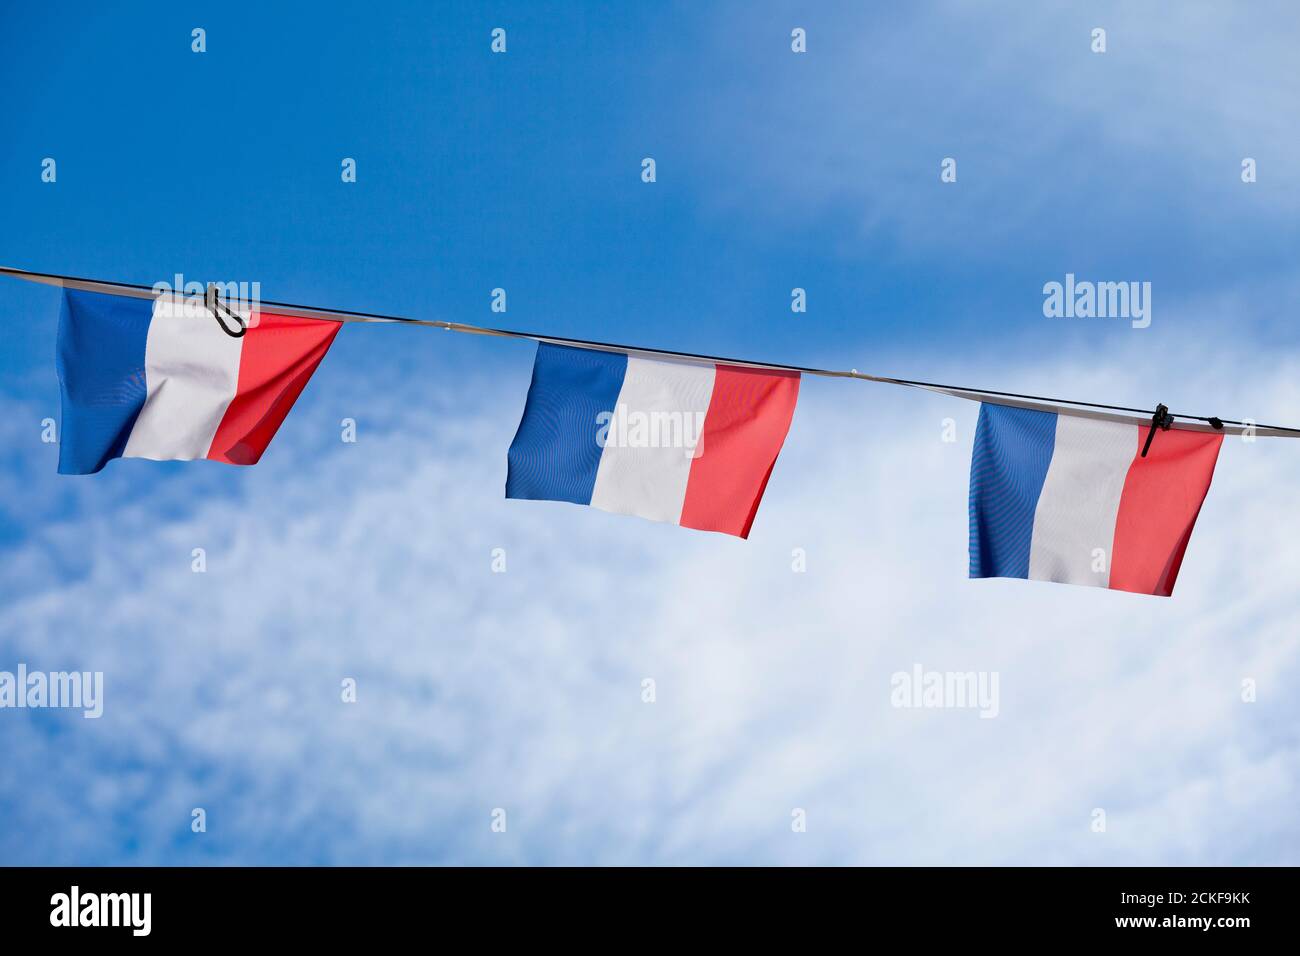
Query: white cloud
522, 690
1044, 131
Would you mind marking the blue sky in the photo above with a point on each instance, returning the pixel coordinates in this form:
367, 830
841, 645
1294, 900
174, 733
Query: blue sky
523, 690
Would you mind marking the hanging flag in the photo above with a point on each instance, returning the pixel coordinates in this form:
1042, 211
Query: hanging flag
689, 443
1056, 497
159, 378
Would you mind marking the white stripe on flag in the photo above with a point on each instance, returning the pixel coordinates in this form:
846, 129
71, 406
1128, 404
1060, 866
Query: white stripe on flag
191, 373
1080, 499
661, 403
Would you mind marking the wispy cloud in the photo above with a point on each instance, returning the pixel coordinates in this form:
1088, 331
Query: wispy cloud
522, 690
1140, 144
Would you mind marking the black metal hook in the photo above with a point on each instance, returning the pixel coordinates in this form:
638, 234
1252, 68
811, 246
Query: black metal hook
216, 307
1162, 420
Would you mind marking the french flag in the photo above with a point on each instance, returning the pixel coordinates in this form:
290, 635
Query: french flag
688, 443
158, 378
1071, 499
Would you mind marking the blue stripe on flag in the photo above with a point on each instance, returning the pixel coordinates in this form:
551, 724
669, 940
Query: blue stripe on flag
554, 456
1013, 447
100, 358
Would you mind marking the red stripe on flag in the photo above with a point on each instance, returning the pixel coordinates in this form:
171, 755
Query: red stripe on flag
279, 356
1162, 496
746, 424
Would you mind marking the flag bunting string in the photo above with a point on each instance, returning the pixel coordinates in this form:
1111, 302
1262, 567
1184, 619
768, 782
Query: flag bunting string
1162, 417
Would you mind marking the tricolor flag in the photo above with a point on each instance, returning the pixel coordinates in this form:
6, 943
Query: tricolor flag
1070, 499
690, 443
159, 378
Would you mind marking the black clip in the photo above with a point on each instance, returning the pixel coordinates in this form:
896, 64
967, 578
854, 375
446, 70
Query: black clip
1162, 420
1216, 423
216, 307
